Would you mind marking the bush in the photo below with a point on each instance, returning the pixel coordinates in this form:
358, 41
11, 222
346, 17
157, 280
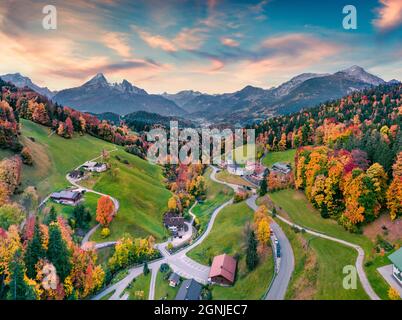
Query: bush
240, 196
26, 156
164, 268
295, 229
146, 268
368, 263
105, 233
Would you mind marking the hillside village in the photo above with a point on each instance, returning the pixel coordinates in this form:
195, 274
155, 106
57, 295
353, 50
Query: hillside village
236, 231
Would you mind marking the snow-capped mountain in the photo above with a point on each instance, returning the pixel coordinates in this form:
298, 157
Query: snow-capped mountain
98, 95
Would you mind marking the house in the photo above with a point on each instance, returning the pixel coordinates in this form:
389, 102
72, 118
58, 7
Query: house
223, 270
174, 222
396, 259
281, 167
189, 290
94, 166
76, 174
174, 279
69, 197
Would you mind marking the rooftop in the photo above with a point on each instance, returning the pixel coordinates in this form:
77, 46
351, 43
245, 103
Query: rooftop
396, 258
66, 194
225, 266
174, 277
189, 290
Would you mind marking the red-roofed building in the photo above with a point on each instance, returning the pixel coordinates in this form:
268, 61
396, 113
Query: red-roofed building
223, 270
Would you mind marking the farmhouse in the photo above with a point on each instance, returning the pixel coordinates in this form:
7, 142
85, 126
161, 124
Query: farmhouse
281, 167
94, 166
76, 174
223, 270
174, 279
396, 259
175, 223
69, 197
189, 290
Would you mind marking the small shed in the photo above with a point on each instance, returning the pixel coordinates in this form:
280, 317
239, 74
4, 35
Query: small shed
174, 279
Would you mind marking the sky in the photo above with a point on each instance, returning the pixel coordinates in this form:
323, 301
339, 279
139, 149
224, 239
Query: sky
212, 46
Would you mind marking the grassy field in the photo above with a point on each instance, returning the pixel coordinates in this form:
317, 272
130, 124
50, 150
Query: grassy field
90, 202
142, 196
138, 187
318, 272
54, 156
279, 156
301, 212
162, 288
248, 286
226, 235
139, 288
216, 194
231, 178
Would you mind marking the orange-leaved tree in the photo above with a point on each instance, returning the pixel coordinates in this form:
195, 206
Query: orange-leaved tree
104, 210
394, 194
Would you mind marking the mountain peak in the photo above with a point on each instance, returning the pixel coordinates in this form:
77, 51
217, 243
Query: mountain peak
362, 75
99, 79
21, 81
354, 68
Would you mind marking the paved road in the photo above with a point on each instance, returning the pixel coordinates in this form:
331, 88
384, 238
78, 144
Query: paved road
359, 261
179, 262
115, 202
280, 283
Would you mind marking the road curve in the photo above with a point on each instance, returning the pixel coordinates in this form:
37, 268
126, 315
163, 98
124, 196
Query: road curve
179, 261
281, 280
359, 261
115, 202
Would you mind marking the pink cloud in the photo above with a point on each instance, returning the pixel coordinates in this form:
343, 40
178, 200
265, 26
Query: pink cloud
186, 39
389, 15
190, 38
229, 42
117, 42
157, 41
289, 54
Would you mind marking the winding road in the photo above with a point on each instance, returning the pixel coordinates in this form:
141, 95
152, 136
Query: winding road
281, 279
359, 261
189, 268
115, 202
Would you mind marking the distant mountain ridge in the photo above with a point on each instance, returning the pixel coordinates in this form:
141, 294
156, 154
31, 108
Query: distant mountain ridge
244, 106
303, 91
98, 96
20, 81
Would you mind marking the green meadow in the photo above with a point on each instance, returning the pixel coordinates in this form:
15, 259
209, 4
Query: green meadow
138, 186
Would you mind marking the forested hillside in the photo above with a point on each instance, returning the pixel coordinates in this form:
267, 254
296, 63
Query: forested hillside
24, 103
349, 154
